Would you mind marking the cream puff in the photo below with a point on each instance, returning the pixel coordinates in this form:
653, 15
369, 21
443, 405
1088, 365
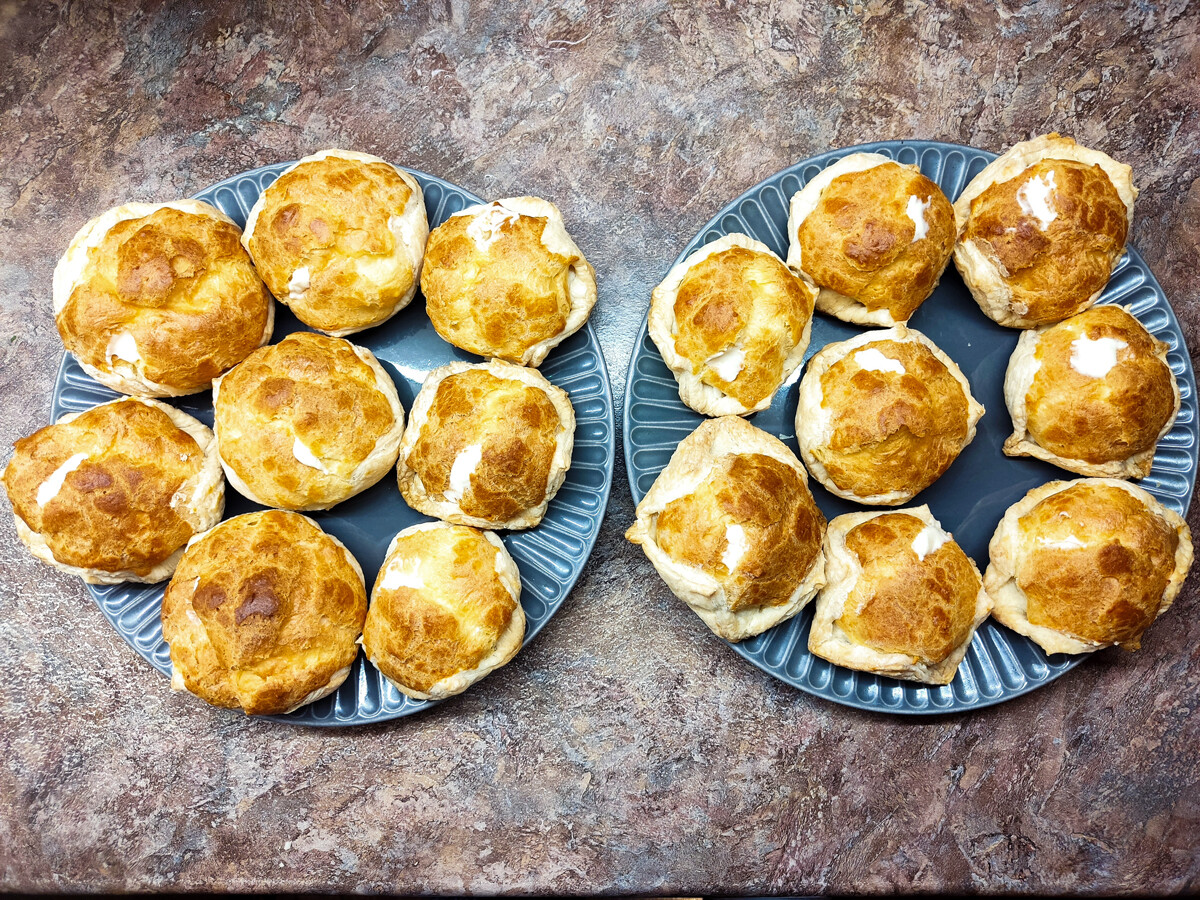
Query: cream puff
307, 423
902, 599
873, 235
339, 237
1085, 564
1041, 228
158, 299
882, 415
732, 323
445, 611
487, 445
113, 494
1093, 394
504, 279
264, 613
733, 529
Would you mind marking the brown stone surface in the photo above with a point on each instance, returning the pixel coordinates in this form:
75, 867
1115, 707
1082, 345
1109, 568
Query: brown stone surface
626, 749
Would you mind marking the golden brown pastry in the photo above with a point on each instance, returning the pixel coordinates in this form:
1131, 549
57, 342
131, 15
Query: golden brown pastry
264, 614
732, 322
882, 415
1085, 564
1041, 228
306, 423
504, 279
112, 494
158, 299
732, 528
1093, 394
873, 235
339, 238
487, 445
903, 600
446, 610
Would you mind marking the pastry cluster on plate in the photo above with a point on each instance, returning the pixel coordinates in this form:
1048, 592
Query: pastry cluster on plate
265, 611
730, 523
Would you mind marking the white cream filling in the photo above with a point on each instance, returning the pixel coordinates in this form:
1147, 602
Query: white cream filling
728, 363
403, 573
916, 211
930, 538
1070, 542
460, 473
49, 488
306, 457
1034, 198
487, 227
735, 539
122, 346
299, 284
1095, 358
874, 361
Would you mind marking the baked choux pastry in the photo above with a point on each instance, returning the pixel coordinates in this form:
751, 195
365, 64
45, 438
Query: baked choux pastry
732, 528
1041, 228
264, 614
307, 423
873, 235
504, 279
732, 323
158, 299
339, 237
446, 610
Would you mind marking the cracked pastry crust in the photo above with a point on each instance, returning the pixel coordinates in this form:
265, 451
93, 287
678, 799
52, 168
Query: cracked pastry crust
881, 416
1081, 565
732, 323
1093, 394
487, 444
903, 600
339, 238
873, 235
264, 614
733, 529
307, 423
158, 299
445, 611
504, 279
1041, 228
112, 494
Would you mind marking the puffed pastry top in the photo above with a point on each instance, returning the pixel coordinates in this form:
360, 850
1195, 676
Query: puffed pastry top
1041, 228
732, 528
158, 299
504, 279
445, 610
264, 613
487, 445
903, 600
1085, 564
732, 322
1093, 394
339, 237
873, 235
306, 423
882, 415
113, 493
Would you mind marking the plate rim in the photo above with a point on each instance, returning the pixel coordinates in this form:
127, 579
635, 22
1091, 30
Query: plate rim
605, 492
825, 159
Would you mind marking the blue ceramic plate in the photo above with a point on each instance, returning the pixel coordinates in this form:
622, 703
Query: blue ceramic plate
971, 497
550, 556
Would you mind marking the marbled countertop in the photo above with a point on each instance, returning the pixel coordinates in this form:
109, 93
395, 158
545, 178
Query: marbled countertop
626, 749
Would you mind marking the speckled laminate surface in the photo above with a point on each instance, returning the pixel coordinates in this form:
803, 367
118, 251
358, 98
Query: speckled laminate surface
626, 749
